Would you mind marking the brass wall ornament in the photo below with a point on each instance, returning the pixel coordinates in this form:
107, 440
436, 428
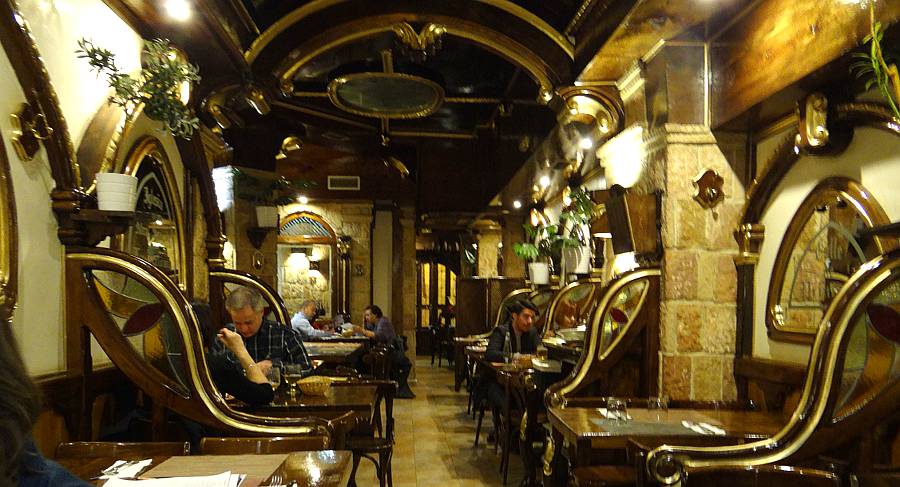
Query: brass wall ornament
403, 96
426, 42
709, 189
30, 128
749, 237
813, 130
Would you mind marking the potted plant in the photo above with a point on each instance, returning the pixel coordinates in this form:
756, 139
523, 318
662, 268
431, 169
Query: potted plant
160, 86
267, 194
573, 240
537, 251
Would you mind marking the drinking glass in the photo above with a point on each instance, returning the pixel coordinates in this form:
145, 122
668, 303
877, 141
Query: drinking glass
616, 410
659, 405
274, 376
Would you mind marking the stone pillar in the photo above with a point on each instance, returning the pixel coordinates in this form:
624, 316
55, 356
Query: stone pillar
488, 238
407, 313
666, 147
511, 234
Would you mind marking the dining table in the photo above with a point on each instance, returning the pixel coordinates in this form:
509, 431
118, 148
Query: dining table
335, 351
323, 468
589, 429
342, 396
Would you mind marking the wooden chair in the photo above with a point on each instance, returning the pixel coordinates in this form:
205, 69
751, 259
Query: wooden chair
849, 392
379, 438
261, 445
98, 449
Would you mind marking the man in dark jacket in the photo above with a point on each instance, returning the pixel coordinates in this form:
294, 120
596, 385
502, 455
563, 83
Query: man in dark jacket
519, 331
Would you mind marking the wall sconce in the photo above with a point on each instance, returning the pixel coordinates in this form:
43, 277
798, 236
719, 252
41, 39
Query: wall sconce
290, 144
257, 100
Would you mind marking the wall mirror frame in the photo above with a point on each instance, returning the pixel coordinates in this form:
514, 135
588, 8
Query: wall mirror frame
820, 250
160, 222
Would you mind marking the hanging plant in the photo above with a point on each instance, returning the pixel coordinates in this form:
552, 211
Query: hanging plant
158, 86
878, 66
578, 212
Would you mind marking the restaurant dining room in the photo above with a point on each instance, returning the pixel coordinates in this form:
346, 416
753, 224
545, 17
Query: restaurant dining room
331, 243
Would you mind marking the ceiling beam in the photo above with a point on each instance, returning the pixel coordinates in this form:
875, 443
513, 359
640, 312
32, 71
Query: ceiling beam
792, 39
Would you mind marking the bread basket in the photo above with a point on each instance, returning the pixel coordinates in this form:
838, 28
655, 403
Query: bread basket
314, 386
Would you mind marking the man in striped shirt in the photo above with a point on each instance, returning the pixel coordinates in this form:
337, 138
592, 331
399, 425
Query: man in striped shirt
269, 343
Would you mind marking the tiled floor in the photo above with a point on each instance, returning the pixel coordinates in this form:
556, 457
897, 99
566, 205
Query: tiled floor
434, 439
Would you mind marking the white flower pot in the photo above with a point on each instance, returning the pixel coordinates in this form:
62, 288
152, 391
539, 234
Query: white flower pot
578, 259
116, 192
267, 216
539, 272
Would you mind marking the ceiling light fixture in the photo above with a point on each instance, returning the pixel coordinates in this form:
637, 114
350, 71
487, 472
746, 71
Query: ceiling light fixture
303, 200
517, 204
586, 143
179, 10
544, 181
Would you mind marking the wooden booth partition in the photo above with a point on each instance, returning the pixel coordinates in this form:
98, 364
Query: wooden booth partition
847, 415
147, 328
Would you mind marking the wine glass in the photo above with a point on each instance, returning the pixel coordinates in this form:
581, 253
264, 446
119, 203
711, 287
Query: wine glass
274, 376
660, 404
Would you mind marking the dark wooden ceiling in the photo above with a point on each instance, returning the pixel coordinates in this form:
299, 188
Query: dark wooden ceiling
494, 62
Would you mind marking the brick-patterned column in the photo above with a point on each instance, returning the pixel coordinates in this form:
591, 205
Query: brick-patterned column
698, 308
698, 299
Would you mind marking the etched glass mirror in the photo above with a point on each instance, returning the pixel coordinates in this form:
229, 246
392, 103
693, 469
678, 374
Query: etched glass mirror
825, 243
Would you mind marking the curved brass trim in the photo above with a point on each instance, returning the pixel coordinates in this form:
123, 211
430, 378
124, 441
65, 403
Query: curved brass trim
336, 83
815, 399
490, 40
32, 75
866, 207
249, 280
591, 349
537, 22
183, 314
153, 147
266, 38
9, 242
333, 240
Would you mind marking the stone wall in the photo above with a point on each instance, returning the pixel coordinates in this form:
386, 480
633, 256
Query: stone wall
488, 251
354, 220
698, 301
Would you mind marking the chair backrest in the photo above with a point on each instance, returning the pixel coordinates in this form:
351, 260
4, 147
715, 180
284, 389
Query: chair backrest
625, 318
166, 361
223, 280
261, 445
572, 305
852, 384
98, 449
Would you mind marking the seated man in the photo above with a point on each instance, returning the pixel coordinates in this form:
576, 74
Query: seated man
267, 342
376, 326
300, 322
379, 328
517, 336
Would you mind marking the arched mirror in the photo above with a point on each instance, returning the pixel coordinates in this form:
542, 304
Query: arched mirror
822, 247
157, 233
306, 261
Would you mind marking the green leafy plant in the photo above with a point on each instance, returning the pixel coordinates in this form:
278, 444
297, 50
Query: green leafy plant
578, 213
158, 86
276, 191
539, 242
879, 67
